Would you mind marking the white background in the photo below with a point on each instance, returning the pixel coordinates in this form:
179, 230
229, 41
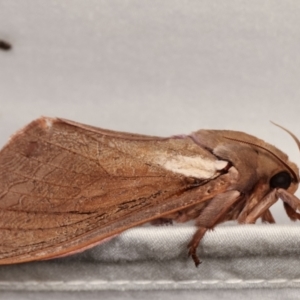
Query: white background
154, 67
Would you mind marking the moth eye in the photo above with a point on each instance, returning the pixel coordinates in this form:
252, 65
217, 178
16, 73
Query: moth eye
281, 180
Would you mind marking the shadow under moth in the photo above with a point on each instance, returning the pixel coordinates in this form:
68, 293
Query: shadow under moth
65, 186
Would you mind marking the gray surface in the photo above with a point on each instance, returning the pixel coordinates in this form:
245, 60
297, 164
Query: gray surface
160, 68
155, 258
247, 294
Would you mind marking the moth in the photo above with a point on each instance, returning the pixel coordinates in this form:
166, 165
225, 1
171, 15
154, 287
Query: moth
66, 186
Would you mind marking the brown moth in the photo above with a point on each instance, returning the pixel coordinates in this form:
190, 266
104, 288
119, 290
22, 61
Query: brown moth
65, 186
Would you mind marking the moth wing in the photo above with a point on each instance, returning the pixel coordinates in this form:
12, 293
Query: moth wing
111, 133
65, 186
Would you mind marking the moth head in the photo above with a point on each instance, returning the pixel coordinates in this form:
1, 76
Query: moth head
287, 179
272, 167
282, 174
277, 178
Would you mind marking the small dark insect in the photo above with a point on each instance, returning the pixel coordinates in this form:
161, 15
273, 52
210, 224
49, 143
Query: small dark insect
65, 186
5, 45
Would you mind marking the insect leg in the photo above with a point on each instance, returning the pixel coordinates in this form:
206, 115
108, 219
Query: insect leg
288, 198
292, 214
211, 215
193, 244
267, 217
260, 209
291, 204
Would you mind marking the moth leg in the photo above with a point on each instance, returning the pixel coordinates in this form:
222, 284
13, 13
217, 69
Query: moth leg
194, 243
260, 209
267, 217
291, 204
288, 198
215, 212
293, 215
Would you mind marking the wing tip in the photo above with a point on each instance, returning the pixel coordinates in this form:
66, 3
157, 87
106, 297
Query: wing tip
43, 122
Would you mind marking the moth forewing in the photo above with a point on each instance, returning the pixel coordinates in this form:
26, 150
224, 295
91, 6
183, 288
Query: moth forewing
65, 186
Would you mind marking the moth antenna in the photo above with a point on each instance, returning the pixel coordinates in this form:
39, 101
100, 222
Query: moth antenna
289, 132
269, 151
